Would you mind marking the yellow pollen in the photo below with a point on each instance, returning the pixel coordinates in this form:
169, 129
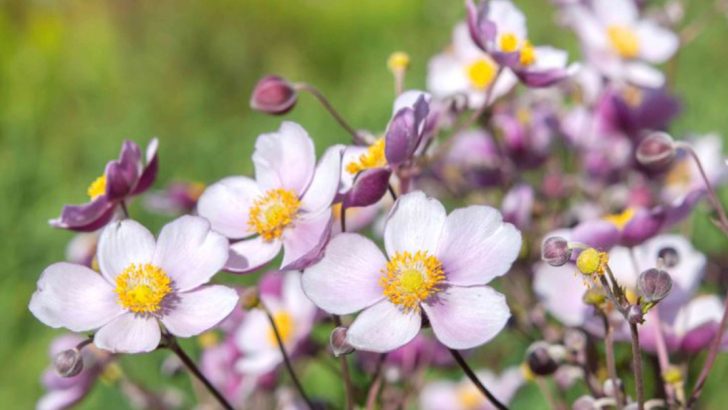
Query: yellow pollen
410, 279
508, 42
469, 397
141, 288
112, 373
624, 41
620, 220
398, 61
528, 54
373, 158
481, 73
272, 212
632, 95
592, 262
97, 188
526, 372
208, 339
195, 190
285, 324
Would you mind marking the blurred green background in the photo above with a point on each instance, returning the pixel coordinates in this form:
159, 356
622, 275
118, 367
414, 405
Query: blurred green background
78, 77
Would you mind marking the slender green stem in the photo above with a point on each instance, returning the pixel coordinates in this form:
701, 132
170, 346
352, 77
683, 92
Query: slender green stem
330, 108
376, 384
637, 366
348, 387
474, 378
611, 366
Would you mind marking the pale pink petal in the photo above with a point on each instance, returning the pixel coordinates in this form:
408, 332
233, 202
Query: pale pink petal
325, 184
259, 363
129, 333
60, 399
383, 327
447, 75
305, 239
643, 74
121, 244
477, 246
250, 254
296, 302
199, 310
284, 159
561, 291
463, 318
189, 252
440, 395
254, 335
657, 44
74, 297
346, 279
414, 224
226, 204
617, 12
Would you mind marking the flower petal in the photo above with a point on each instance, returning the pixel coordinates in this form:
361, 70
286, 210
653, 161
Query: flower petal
463, 318
259, 363
121, 244
658, 44
149, 173
345, 280
87, 217
284, 159
129, 334
476, 246
304, 241
226, 204
414, 224
383, 327
561, 292
199, 310
250, 254
189, 252
74, 297
325, 184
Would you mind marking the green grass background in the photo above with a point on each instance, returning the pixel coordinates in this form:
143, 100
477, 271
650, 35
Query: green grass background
78, 77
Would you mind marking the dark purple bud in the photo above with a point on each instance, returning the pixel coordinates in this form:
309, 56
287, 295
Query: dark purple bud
543, 359
481, 29
369, 187
635, 315
656, 151
555, 251
338, 343
405, 130
644, 225
273, 95
68, 363
654, 285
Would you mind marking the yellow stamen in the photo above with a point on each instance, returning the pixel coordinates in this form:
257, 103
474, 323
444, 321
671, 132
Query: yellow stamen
592, 262
528, 54
208, 339
624, 41
620, 220
195, 190
632, 95
469, 397
508, 42
398, 61
285, 324
97, 188
373, 158
481, 73
142, 288
272, 212
410, 279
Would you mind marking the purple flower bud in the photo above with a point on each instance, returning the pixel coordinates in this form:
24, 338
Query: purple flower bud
369, 187
68, 363
337, 340
404, 132
654, 285
656, 151
273, 95
635, 315
542, 359
555, 251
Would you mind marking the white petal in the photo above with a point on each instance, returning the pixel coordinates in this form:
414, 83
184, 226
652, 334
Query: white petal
463, 318
618, 12
346, 279
250, 254
129, 334
74, 297
255, 334
295, 301
644, 75
304, 240
325, 184
260, 363
199, 310
446, 76
383, 327
508, 18
414, 224
284, 159
701, 310
657, 44
121, 244
561, 292
226, 204
189, 252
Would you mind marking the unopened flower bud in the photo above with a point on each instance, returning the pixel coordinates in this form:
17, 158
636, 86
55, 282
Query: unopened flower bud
398, 61
337, 340
668, 257
591, 261
672, 376
654, 285
249, 298
656, 151
68, 363
273, 95
542, 360
594, 296
635, 315
555, 251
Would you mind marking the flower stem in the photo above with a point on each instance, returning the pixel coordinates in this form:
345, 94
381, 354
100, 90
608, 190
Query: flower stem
710, 360
474, 378
125, 209
712, 197
663, 357
637, 366
330, 108
376, 384
192, 367
348, 389
611, 366
286, 359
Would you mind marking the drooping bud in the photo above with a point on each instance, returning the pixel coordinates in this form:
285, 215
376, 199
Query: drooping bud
591, 261
555, 251
250, 298
635, 315
654, 285
68, 363
338, 343
273, 95
656, 151
543, 359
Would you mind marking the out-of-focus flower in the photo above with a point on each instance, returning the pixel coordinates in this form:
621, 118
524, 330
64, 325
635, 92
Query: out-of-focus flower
526, 133
656, 151
633, 110
684, 179
422, 351
517, 206
288, 205
273, 95
81, 250
473, 160
218, 365
463, 395
177, 198
142, 282
293, 314
123, 178
436, 263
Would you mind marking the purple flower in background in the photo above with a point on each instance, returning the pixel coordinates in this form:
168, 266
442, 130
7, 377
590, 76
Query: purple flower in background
463, 395
473, 160
517, 206
81, 250
683, 180
123, 178
287, 205
421, 352
177, 198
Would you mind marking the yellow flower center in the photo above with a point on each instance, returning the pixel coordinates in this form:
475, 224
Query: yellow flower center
208, 339
272, 212
632, 96
624, 41
285, 324
508, 42
481, 73
398, 61
373, 158
410, 279
469, 397
97, 188
528, 54
679, 175
621, 219
141, 288
591, 262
